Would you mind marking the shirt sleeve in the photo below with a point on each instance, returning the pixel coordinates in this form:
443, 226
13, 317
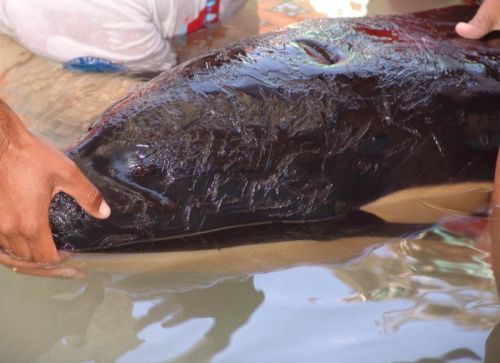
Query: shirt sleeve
119, 31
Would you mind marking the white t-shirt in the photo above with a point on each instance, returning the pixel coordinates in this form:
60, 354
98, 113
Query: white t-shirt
128, 33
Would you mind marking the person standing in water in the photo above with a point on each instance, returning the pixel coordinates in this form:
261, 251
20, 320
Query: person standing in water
109, 35
93, 35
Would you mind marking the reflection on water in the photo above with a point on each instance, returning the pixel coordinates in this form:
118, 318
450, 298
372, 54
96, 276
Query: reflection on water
431, 298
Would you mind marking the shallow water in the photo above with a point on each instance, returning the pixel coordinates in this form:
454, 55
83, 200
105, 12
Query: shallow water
364, 300
428, 298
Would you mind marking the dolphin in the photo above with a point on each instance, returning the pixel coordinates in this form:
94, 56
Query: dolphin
292, 134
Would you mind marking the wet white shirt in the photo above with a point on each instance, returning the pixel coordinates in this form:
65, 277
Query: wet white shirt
132, 33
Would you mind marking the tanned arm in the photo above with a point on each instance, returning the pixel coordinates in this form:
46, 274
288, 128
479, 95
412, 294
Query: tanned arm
31, 173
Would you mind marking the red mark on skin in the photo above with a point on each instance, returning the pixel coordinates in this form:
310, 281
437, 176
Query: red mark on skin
380, 33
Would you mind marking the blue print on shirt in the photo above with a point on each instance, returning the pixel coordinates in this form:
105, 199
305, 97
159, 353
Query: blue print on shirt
93, 65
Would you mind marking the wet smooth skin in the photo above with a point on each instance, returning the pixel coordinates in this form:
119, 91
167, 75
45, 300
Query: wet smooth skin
305, 124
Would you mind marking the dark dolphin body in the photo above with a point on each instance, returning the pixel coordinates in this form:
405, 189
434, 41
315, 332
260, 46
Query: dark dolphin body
302, 125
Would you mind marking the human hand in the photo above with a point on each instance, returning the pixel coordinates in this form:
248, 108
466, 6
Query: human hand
32, 173
486, 20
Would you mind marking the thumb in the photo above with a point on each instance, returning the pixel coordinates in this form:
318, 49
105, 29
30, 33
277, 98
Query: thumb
86, 195
483, 22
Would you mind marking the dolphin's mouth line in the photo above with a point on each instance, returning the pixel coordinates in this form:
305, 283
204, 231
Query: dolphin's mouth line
210, 231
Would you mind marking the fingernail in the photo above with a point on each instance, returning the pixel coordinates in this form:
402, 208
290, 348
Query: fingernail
104, 209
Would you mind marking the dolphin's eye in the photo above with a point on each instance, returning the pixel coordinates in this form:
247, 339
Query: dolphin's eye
318, 51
